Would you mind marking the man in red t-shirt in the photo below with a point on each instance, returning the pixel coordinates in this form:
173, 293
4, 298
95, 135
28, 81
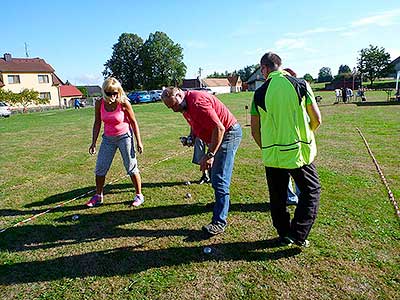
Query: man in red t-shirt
212, 122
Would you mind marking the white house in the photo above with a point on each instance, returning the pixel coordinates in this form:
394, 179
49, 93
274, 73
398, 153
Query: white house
217, 85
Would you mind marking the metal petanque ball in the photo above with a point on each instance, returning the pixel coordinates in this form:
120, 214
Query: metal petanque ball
207, 250
188, 195
75, 217
188, 183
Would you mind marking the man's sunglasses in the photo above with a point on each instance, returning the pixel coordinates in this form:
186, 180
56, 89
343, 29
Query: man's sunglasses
109, 94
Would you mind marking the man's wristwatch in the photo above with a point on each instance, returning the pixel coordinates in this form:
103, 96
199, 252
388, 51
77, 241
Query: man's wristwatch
209, 154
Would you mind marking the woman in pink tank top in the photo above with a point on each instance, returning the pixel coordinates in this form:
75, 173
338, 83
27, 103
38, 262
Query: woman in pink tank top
120, 125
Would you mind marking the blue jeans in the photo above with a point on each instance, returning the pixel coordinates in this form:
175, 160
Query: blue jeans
109, 146
221, 172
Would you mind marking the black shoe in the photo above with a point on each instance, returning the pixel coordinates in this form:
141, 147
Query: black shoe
285, 241
303, 244
204, 179
214, 228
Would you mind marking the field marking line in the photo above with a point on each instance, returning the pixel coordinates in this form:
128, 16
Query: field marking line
84, 195
378, 168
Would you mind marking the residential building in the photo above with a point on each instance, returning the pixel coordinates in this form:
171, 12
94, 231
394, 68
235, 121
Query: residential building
217, 85
396, 67
17, 74
191, 83
236, 83
255, 80
68, 94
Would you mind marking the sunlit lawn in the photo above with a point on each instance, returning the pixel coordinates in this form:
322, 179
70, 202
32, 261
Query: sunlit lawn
156, 251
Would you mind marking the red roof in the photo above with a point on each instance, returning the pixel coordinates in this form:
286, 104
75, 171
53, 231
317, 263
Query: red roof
69, 91
24, 65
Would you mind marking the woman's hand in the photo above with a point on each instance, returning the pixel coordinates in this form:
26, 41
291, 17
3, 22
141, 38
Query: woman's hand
140, 147
92, 149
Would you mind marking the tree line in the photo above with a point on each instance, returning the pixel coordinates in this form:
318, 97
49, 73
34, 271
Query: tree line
373, 63
149, 64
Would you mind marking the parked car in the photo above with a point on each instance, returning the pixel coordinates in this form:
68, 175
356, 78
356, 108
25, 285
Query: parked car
5, 110
139, 97
155, 95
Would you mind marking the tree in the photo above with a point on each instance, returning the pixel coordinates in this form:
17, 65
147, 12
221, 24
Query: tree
83, 90
246, 72
344, 69
125, 63
308, 78
162, 61
325, 75
373, 62
25, 98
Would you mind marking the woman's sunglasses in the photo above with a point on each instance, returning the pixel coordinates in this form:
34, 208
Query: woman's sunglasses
109, 94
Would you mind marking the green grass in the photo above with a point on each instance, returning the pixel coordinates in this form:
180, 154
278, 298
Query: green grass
155, 251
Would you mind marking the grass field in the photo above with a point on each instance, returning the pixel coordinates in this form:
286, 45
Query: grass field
155, 251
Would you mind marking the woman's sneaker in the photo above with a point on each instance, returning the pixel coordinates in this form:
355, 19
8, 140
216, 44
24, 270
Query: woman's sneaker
96, 200
139, 199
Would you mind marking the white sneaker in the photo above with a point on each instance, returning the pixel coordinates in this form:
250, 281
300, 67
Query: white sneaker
138, 200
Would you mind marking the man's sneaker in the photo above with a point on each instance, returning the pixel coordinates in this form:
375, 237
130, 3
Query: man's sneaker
285, 241
204, 179
214, 228
139, 199
96, 200
303, 244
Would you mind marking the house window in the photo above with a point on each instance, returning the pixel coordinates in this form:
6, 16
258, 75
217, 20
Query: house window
12, 79
43, 78
45, 95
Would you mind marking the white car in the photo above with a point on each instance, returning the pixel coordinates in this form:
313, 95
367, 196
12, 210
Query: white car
155, 95
5, 110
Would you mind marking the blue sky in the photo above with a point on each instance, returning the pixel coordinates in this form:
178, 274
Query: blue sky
76, 37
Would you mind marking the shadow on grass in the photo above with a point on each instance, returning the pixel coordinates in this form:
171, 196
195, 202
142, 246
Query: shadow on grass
108, 225
132, 260
109, 189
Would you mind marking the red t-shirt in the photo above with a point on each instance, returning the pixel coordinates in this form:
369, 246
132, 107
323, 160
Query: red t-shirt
203, 113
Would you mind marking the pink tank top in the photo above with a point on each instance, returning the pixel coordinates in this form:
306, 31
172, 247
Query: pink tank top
115, 122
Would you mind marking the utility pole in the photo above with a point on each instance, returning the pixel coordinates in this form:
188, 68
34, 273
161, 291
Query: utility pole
26, 50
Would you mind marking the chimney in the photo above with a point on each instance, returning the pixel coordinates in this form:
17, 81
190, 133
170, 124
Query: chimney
7, 57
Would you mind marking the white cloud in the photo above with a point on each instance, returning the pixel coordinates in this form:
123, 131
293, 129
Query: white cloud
316, 31
290, 44
383, 19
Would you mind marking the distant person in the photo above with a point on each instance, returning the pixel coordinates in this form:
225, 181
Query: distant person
212, 122
344, 95
120, 124
349, 93
338, 94
284, 116
362, 94
77, 103
65, 103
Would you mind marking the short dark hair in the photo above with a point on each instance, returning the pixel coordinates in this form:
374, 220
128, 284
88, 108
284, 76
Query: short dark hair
271, 60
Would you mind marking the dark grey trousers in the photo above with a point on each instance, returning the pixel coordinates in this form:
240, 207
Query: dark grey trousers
306, 179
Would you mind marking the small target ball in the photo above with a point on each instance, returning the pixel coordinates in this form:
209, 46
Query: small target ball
188, 195
207, 250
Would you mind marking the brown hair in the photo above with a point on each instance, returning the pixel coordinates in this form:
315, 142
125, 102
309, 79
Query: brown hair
271, 60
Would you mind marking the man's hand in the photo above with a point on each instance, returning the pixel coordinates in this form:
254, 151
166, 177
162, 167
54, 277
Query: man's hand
206, 163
